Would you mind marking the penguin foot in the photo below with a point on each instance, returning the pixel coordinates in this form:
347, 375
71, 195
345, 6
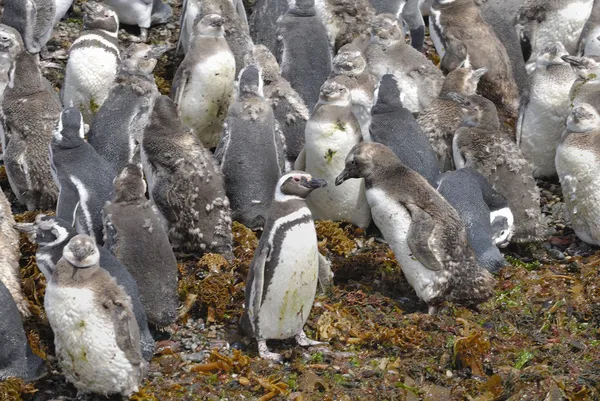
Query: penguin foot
304, 341
433, 310
264, 353
144, 34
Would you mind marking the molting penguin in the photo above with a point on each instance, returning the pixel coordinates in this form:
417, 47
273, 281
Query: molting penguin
52, 234
204, 82
394, 126
473, 198
185, 183
410, 12
29, 113
134, 233
303, 51
263, 22
11, 45
83, 176
93, 61
134, 12
96, 337
251, 129
478, 143
119, 125
542, 119
577, 164
589, 41
424, 231
331, 132
16, 357
283, 275
34, 19
288, 107
344, 20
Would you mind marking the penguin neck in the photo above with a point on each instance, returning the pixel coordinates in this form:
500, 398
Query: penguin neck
66, 273
387, 106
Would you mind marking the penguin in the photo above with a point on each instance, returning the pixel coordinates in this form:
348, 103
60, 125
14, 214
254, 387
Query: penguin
288, 107
539, 22
16, 357
134, 12
478, 144
577, 163
85, 179
542, 118
395, 127
34, 19
388, 53
61, 9
344, 20
29, 113
185, 183
93, 61
586, 88
161, 12
189, 12
263, 22
283, 275
410, 12
473, 198
484, 50
424, 231
350, 66
52, 234
204, 82
303, 51
589, 40
134, 233
11, 45
443, 117
96, 338
117, 129
331, 132
251, 129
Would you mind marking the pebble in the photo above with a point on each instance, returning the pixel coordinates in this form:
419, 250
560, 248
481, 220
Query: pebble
556, 254
195, 357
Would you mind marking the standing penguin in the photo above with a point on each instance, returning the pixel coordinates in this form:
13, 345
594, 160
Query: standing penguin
251, 129
96, 337
203, 84
577, 164
303, 51
135, 234
589, 40
29, 113
288, 107
542, 119
34, 19
93, 61
185, 183
134, 12
331, 132
394, 126
479, 144
83, 176
410, 12
52, 234
283, 275
11, 45
263, 22
16, 357
469, 193
119, 125
424, 231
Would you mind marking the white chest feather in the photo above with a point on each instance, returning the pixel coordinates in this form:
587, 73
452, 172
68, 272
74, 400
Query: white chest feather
564, 26
132, 12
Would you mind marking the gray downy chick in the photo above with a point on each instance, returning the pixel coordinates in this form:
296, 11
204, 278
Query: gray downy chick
344, 20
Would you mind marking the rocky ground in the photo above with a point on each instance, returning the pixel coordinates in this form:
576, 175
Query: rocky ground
538, 338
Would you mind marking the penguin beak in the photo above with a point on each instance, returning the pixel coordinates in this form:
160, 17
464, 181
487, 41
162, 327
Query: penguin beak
574, 61
479, 72
344, 175
315, 183
158, 51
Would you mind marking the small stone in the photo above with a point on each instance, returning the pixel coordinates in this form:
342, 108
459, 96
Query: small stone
368, 373
448, 373
195, 357
556, 254
244, 381
170, 26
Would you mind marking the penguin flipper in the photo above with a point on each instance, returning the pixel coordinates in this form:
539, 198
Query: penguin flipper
182, 26
110, 233
300, 163
279, 43
281, 148
223, 145
258, 286
421, 238
325, 274
241, 12
68, 202
126, 330
179, 83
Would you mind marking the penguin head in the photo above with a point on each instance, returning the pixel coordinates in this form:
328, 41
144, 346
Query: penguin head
334, 92
267, 62
502, 223
388, 92
129, 184
210, 25
385, 29
463, 80
100, 16
349, 60
297, 184
82, 252
476, 110
583, 118
364, 159
551, 54
250, 81
70, 129
140, 58
11, 42
587, 68
46, 230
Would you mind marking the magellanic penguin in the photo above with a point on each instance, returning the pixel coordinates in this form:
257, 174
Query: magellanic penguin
586, 88
29, 114
331, 132
443, 117
119, 125
542, 118
303, 51
52, 234
463, 20
577, 164
288, 107
16, 357
263, 22
204, 82
394, 126
96, 338
134, 233
410, 12
424, 231
388, 53
474, 199
251, 129
83, 176
478, 143
11, 45
93, 61
344, 19
185, 183
589, 40
134, 12
34, 19
283, 276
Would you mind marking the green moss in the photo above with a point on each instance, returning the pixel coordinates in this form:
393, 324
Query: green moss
523, 358
329, 155
94, 107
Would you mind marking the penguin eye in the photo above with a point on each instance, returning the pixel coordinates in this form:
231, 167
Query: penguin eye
296, 179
